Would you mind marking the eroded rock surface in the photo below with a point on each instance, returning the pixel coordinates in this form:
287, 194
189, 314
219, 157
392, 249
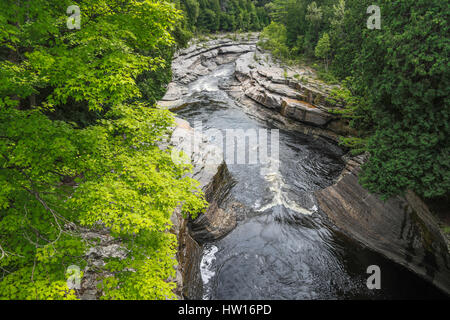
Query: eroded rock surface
103, 246
295, 93
215, 181
402, 228
201, 59
288, 95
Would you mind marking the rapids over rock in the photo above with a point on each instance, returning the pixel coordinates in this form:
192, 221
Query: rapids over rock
297, 225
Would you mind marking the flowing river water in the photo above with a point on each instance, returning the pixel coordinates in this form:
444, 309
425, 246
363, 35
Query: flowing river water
283, 247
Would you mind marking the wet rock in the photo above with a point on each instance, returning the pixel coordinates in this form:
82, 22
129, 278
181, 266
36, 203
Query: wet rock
215, 180
202, 58
402, 228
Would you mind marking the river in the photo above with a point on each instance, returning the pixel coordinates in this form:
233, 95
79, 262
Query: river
283, 247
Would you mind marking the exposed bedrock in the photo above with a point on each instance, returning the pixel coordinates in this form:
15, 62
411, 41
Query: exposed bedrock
287, 94
216, 222
402, 228
295, 93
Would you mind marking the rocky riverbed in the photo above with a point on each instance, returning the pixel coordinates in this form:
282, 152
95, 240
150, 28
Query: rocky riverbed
292, 99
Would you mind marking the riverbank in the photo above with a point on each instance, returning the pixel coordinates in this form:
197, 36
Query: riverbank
292, 100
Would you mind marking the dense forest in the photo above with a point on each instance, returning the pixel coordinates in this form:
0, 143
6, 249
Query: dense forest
224, 15
397, 82
80, 134
79, 145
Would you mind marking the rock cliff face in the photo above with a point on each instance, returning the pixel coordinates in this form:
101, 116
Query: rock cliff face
402, 228
215, 181
293, 92
209, 169
292, 96
275, 88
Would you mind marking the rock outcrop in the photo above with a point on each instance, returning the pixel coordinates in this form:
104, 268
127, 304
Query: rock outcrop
295, 93
215, 181
290, 96
200, 59
102, 247
402, 228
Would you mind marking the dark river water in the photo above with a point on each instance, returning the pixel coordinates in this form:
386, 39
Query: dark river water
284, 247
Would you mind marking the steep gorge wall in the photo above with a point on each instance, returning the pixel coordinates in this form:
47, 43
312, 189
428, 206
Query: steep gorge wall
401, 229
215, 181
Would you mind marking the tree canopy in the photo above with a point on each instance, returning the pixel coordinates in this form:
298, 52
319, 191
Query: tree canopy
80, 137
399, 75
224, 15
80, 148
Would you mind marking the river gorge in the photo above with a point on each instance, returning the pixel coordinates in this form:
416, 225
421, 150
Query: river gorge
298, 225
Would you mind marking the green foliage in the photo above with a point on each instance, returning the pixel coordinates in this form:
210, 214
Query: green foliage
274, 38
398, 95
62, 170
404, 70
323, 49
145, 279
204, 16
351, 106
79, 137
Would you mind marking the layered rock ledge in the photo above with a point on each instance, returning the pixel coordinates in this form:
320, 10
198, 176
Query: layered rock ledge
215, 181
402, 228
290, 96
200, 59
